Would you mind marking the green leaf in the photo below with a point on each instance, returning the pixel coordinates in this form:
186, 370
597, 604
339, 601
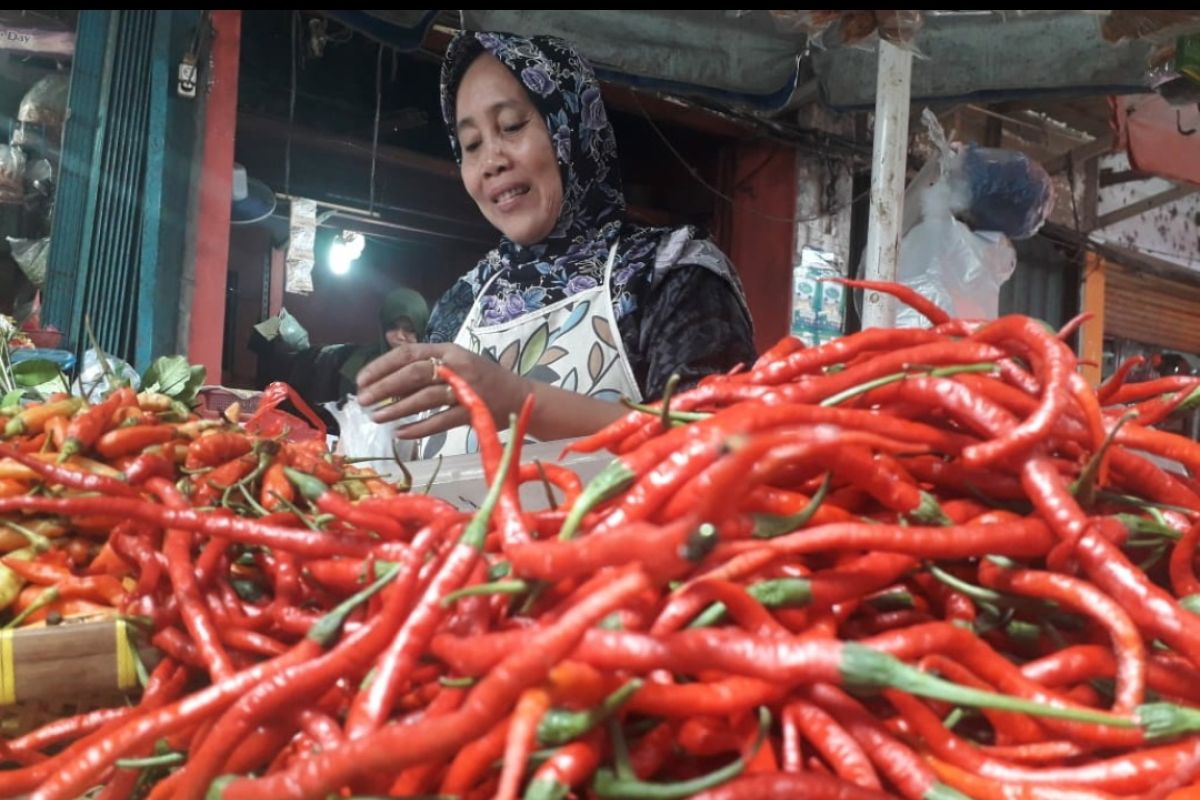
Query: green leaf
35, 372
174, 377
195, 381
11, 399
534, 348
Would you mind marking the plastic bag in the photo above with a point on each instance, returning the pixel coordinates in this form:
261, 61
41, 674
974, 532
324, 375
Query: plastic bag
32, 257
92, 382
957, 268
1001, 191
293, 333
268, 420
361, 437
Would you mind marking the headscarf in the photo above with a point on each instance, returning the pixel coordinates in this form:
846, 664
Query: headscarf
401, 303
572, 258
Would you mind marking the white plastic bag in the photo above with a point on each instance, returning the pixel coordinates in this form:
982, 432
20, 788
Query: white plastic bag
959, 269
93, 384
361, 437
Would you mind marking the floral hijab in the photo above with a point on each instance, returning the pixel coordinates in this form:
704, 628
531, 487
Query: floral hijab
572, 257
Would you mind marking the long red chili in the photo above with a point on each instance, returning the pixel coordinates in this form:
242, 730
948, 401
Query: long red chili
831, 740
395, 747
1084, 598
1150, 607
177, 548
71, 478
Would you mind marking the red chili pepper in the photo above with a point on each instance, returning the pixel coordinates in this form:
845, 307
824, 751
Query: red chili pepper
237, 529
939, 637
88, 425
311, 675
1182, 564
1087, 662
277, 491
1009, 727
28, 747
900, 765
330, 502
905, 294
99, 588
1132, 773
488, 701
983, 789
69, 477
372, 706
512, 525
522, 735
1144, 390
1084, 598
1150, 607
165, 684
568, 767
474, 761
135, 439
177, 547
1110, 387
217, 447
556, 475
1028, 537
839, 351
310, 462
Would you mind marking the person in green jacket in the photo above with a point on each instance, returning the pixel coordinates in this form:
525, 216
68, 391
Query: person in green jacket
402, 320
327, 373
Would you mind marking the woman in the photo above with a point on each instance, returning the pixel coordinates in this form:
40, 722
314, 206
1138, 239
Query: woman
576, 305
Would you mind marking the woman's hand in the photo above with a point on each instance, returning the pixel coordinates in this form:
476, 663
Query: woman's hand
406, 375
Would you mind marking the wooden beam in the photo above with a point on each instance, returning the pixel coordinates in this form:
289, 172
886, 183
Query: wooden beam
665, 111
1073, 117
1148, 204
257, 125
1091, 336
1109, 177
1079, 155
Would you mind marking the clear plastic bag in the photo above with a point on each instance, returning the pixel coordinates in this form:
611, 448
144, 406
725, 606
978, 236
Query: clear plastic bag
957, 268
93, 384
361, 437
293, 333
1000, 193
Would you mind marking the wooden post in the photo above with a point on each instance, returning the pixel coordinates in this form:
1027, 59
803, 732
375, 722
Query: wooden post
1092, 300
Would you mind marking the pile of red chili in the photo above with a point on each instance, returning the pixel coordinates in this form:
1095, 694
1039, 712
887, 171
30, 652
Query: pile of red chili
921, 563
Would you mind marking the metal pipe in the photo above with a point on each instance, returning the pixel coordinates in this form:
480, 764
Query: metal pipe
890, 155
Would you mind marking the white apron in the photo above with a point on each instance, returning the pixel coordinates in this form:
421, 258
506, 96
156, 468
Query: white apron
573, 344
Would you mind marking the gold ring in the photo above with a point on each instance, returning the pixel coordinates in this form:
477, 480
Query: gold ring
436, 363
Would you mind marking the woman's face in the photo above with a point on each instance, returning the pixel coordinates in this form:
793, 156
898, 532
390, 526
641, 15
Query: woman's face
508, 163
401, 332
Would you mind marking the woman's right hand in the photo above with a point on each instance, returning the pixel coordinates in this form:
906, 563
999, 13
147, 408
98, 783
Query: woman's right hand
405, 380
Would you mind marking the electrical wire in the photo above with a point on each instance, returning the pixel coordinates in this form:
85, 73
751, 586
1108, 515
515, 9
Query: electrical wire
738, 205
375, 134
287, 151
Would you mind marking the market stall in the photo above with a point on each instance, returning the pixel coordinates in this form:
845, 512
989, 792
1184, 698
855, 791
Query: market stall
947, 553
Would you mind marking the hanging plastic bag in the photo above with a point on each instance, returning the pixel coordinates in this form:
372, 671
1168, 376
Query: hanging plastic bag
959, 269
956, 249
